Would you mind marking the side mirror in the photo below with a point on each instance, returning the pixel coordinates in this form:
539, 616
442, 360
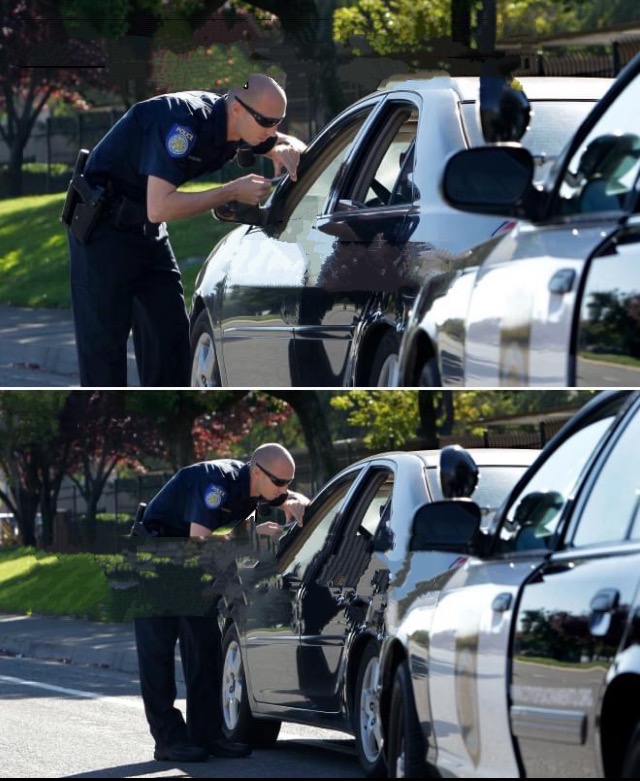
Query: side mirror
450, 525
458, 472
489, 180
242, 213
505, 112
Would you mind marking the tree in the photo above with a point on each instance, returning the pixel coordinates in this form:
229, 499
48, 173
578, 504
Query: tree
103, 436
37, 60
31, 458
394, 418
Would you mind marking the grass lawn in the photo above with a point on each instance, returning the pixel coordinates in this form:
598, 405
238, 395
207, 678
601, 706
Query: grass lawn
34, 257
33, 581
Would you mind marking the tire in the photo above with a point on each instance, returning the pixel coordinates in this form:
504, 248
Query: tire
631, 764
385, 361
238, 723
367, 723
405, 744
205, 372
429, 376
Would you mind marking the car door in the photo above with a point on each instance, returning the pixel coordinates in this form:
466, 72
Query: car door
472, 627
274, 615
572, 617
338, 592
270, 266
608, 332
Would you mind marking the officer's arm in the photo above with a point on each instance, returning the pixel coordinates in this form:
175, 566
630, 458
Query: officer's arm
165, 202
198, 530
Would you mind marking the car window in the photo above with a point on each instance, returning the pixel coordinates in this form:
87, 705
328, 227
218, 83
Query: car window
493, 487
603, 173
311, 539
532, 519
353, 549
388, 154
552, 123
309, 195
611, 508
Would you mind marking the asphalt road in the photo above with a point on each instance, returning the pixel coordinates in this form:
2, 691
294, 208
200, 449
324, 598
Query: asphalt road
69, 721
38, 349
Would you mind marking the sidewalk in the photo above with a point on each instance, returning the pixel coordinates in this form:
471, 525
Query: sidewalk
71, 641
44, 339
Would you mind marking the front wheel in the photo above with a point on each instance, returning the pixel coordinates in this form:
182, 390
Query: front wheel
238, 723
405, 744
205, 372
385, 361
368, 727
631, 764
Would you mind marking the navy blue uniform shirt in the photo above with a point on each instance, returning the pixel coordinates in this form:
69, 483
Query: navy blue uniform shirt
211, 493
176, 137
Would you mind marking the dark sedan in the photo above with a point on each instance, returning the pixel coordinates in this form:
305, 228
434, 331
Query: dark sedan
315, 287
304, 623
524, 660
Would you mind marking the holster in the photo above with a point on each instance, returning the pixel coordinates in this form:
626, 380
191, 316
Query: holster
84, 204
139, 529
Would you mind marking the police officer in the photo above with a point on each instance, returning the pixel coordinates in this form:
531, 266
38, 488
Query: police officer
198, 499
124, 274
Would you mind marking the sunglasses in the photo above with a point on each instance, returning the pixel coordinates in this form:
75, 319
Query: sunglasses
260, 118
279, 481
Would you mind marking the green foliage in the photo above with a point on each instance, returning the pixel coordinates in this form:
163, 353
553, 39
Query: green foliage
33, 581
212, 67
390, 418
34, 262
395, 26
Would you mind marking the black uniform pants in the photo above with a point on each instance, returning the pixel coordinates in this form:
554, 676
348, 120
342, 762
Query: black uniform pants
201, 654
123, 279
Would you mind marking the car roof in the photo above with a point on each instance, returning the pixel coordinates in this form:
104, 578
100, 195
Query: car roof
535, 87
483, 456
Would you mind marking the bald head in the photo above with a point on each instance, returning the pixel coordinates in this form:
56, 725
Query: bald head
275, 458
261, 90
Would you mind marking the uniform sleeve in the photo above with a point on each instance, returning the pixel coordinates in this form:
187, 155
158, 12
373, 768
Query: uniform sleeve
166, 143
205, 504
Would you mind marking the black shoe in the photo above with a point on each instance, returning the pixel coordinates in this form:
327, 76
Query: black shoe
180, 752
223, 747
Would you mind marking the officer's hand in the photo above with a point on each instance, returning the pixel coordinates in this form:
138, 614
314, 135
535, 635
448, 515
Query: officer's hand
251, 189
294, 507
286, 156
269, 528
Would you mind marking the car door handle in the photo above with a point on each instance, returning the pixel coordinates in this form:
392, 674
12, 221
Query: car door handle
602, 606
562, 281
605, 600
502, 602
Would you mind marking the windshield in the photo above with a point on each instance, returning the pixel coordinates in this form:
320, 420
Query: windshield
553, 122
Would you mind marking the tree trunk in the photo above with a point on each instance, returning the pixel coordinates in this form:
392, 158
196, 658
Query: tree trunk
315, 427
427, 408
461, 22
14, 171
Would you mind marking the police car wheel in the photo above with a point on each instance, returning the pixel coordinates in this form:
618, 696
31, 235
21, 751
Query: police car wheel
238, 723
631, 763
205, 372
405, 744
429, 376
368, 726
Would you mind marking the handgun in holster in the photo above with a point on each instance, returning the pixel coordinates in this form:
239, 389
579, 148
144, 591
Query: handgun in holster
84, 203
139, 529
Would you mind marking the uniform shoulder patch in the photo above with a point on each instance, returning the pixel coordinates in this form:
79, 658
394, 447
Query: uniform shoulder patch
214, 496
179, 140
